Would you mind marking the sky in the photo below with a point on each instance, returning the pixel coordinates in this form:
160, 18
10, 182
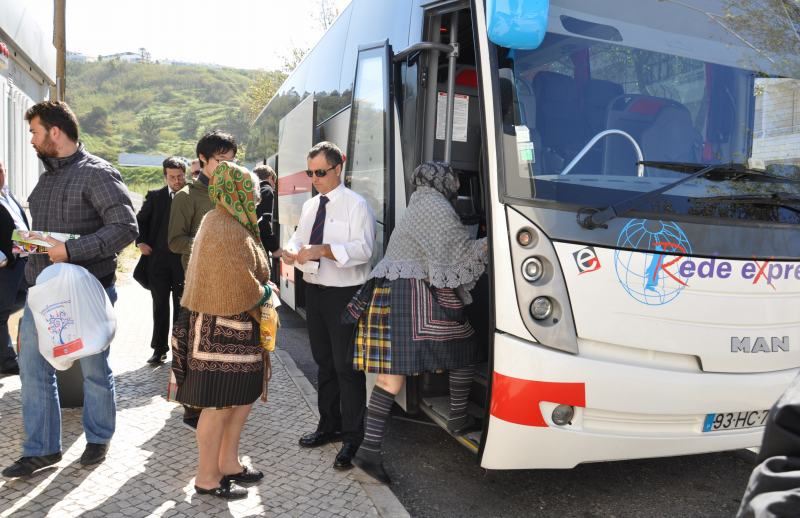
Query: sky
253, 34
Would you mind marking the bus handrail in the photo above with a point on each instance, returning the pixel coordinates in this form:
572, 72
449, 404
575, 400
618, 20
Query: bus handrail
588, 146
424, 45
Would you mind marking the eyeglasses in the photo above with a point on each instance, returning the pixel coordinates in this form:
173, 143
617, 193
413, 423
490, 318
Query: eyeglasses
320, 172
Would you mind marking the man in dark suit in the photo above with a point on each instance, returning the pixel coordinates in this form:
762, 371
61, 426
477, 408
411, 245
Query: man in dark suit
13, 287
165, 272
266, 214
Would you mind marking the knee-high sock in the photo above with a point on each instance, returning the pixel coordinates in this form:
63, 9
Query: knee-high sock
380, 405
460, 384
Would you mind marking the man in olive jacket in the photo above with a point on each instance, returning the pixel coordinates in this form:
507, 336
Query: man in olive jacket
192, 202
189, 206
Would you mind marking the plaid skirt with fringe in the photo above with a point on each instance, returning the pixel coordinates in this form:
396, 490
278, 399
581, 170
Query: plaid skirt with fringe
405, 326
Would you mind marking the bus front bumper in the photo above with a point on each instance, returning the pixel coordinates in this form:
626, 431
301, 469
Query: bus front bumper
622, 411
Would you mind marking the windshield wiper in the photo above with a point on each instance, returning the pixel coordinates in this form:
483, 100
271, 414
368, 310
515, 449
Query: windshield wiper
789, 202
730, 171
591, 218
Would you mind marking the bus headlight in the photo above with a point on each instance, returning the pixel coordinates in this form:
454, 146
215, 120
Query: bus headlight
532, 269
541, 308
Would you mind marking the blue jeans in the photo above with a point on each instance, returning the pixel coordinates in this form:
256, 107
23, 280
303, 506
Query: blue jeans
41, 413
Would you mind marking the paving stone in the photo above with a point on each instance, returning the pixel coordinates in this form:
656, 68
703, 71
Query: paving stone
151, 463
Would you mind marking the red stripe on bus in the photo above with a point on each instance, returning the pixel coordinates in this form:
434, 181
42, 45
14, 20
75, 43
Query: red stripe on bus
295, 183
517, 400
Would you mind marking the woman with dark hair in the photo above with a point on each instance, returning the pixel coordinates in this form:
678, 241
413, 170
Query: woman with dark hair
410, 313
218, 362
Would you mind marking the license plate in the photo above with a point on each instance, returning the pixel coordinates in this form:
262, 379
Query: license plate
735, 420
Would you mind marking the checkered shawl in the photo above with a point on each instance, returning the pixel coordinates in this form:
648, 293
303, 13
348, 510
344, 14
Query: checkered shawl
431, 243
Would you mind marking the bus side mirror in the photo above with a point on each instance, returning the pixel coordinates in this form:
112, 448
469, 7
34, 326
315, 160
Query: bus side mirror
519, 24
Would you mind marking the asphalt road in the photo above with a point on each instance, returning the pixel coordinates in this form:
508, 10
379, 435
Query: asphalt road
434, 476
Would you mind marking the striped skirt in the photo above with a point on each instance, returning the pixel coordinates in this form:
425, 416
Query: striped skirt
407, 327
217, 361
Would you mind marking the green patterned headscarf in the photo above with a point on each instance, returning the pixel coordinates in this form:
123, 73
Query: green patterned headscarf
232, 187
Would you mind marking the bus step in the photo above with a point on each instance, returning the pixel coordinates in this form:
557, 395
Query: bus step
438, 408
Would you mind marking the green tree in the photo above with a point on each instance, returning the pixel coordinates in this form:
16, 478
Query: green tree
189, 123
96, 122
150, 131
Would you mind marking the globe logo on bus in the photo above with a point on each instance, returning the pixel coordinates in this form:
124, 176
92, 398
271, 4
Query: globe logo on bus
651, 278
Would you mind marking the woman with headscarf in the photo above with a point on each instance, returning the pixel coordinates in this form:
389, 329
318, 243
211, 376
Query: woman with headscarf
218, 362
410, 313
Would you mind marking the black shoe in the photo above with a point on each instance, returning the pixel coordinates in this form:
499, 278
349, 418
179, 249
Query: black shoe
314, 439
11, 370
227, 490
462, 425
93, 453
27, 465
372, 467
158, 358
344, 459
248, 475
191, 423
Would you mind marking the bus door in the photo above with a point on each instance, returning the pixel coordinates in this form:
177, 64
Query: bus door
445, 124
296, 136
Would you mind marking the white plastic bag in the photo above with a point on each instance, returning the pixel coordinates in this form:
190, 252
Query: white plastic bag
73, 315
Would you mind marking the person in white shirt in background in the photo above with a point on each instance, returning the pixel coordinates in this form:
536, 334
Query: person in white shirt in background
337, 229
13, 287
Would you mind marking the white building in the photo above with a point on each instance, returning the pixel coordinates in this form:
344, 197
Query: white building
777, 121
26, 75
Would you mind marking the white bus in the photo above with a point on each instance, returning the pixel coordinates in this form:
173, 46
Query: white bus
635, 165
27, 71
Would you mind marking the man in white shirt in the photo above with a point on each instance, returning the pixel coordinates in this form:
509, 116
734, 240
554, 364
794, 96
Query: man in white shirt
13, 287
337, 230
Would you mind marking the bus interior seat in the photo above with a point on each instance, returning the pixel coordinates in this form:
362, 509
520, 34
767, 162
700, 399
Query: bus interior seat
597, 95
558, 119
671, 138
661, 126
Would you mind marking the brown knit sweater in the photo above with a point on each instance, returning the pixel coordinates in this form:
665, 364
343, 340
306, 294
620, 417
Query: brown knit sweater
227, 269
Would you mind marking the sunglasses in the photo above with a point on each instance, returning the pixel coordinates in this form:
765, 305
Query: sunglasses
320, 172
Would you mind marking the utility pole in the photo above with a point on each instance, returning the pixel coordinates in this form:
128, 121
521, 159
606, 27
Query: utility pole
58, 91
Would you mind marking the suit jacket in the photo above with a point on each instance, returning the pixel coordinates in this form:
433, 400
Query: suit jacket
7, 227
153, 219
265, 212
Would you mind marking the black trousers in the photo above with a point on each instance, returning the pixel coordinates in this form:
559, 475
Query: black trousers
342, 390
166, 277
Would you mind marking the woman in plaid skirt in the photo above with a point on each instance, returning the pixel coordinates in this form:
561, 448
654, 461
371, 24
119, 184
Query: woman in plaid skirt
410, 313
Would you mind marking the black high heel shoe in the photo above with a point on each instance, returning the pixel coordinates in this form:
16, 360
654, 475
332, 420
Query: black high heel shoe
227, 490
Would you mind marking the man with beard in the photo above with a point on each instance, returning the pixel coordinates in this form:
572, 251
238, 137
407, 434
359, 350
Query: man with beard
82, 194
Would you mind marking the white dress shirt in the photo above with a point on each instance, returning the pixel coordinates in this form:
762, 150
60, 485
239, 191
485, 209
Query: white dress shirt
12, 208
350, 232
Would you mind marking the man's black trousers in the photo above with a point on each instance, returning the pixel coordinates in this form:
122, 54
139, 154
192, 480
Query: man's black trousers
342, 390
166, 277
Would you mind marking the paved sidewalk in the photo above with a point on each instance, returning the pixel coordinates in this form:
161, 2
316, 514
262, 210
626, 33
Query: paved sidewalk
150, 467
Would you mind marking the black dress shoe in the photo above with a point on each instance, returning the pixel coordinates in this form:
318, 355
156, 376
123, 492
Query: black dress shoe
157, 358
314, 439
344, 459
27, 465
227, 490
10, 370
247, 476
93, 454
372, 467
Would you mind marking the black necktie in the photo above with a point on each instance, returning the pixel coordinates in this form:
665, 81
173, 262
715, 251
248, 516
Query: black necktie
319, 223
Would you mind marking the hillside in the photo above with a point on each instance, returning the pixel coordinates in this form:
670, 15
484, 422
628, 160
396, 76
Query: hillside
156, 108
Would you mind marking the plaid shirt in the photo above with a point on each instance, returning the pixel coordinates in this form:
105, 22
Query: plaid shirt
83, 194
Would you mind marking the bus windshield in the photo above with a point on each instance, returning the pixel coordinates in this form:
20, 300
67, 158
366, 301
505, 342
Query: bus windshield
693, 82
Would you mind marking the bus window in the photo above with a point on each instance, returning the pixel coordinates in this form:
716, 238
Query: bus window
367, 165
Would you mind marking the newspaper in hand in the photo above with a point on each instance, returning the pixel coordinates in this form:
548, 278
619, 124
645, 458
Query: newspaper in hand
34, 241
